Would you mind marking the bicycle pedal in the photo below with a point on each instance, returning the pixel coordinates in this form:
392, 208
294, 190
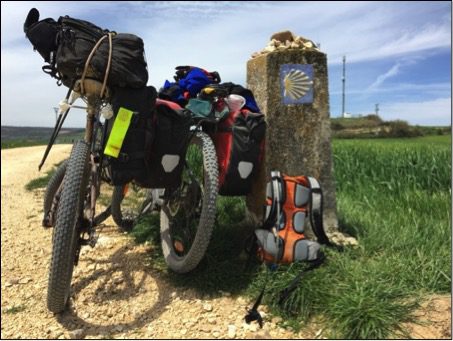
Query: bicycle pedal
46, 224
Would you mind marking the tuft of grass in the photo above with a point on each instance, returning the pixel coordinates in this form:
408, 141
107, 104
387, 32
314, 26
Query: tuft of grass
42, 181
15, 309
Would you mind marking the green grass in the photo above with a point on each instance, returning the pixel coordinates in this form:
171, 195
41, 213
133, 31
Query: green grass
15, 309
32, 142
42, 181
22, 143
394, 196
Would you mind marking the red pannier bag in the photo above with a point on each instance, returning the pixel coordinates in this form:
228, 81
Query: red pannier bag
239, 143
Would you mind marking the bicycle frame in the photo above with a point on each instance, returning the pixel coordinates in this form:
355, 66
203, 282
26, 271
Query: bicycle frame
93, 124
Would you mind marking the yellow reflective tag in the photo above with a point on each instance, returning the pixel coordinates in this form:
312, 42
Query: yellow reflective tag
119, 130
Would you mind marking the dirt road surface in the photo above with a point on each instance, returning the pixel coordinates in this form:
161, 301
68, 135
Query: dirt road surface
115, 294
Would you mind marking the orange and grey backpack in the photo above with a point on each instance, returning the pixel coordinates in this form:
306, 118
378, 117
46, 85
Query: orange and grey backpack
291, 202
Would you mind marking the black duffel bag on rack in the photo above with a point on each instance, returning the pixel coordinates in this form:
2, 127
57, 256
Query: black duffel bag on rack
66, 45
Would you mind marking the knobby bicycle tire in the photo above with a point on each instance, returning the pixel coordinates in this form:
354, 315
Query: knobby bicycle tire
52, 187
66, 232
186, 263
123, 219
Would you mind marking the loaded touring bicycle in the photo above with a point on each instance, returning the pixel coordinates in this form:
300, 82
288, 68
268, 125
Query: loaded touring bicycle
188, 179
171, 153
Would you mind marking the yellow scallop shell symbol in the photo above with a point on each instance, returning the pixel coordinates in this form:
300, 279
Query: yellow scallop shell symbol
297, 84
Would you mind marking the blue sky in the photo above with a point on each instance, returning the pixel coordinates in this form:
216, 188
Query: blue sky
398, 53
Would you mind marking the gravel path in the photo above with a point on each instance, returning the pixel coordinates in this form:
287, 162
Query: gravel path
114, 293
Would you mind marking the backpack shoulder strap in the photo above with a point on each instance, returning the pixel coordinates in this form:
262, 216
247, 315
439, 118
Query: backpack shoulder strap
315, 263
316, 211
277, 197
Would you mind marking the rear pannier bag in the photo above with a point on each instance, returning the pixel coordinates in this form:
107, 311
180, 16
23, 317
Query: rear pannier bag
168, 152
239, 144
132, 161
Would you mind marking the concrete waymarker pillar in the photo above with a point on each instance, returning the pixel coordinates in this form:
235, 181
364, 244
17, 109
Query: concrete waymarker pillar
289, 81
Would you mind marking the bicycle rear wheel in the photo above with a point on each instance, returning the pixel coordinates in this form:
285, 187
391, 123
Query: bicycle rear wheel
68, 226
52, 188
129, 202
188, 213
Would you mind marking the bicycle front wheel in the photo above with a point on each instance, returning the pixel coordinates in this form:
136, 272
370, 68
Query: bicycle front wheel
66, 233
188, 213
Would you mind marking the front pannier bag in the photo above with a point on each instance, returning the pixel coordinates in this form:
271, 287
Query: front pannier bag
131, 161
168, 152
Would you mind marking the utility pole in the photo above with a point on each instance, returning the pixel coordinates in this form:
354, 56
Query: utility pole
343, 79
376, 109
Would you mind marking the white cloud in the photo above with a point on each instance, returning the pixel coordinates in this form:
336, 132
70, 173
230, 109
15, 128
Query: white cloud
218, 36
393, 71
432, 113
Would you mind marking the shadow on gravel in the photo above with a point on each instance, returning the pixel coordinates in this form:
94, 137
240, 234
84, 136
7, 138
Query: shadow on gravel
226, 267
118, 285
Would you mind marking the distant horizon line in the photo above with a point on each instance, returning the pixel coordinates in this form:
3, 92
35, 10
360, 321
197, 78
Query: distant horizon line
25, 126
50, 127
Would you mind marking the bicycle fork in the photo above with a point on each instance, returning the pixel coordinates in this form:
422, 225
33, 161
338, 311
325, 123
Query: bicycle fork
88, 225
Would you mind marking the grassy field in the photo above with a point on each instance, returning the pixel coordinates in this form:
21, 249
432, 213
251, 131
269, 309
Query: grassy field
13, 137
394, 196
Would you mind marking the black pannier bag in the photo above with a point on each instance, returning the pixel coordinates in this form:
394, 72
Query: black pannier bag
166, 161
66, 45
132, 161
239, 142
